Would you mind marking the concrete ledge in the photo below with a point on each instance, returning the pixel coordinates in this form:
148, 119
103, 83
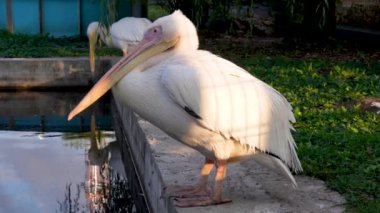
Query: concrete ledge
32, 73
161, 161
139, 163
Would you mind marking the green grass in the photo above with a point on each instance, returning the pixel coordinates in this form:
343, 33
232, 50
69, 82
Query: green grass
337, 141
156, 11
19, 45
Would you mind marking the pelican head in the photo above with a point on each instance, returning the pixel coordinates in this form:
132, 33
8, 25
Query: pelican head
95, 32
176, 27
174, 32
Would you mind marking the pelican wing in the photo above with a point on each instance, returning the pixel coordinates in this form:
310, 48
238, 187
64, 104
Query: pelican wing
129, 30
231, 102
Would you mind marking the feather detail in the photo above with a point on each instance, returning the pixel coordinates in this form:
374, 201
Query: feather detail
128, 31
275, 164
233, 103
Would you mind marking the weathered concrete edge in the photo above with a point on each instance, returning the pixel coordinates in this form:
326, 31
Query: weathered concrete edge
36, 73
134, 143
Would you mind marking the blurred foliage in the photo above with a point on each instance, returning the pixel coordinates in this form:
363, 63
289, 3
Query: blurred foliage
109, 11
362, 16
201, 12
195, 10
295, 8
156, 11
313, 18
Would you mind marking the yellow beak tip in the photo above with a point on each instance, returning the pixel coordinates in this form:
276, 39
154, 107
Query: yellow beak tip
70, 117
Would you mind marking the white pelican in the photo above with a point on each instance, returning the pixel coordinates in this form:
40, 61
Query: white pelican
203, 101
123, 34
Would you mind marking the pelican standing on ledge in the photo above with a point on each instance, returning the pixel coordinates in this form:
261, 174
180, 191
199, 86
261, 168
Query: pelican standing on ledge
123, 34
203, 101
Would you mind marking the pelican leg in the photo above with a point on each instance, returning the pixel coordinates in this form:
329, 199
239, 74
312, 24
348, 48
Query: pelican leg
200, 189
215, 198
221, 171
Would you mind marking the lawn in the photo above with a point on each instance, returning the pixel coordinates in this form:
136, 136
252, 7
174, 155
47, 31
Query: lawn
46, 46
337, 140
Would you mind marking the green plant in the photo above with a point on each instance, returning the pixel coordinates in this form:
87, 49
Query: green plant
316, 16
108, 10
337, 141
156, 11
195, 10
321, 11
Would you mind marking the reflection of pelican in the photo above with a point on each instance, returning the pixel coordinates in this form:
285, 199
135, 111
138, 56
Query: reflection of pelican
97, 154
97, 171
104, 172
204, 101
123, 34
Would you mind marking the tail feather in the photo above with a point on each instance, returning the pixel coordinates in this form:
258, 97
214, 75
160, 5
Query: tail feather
275, 164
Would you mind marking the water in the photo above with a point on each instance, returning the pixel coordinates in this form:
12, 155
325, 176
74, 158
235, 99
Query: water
42, 171
47, 112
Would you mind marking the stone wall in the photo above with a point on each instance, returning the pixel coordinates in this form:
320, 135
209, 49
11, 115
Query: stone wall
32, 73
359, 13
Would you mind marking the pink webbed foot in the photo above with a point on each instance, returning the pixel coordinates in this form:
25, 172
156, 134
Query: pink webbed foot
178, 191
199, 201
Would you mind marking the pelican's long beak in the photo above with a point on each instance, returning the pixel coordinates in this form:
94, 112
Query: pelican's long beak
92, 40
144, 50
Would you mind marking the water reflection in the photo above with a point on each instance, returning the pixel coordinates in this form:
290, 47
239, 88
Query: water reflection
49, 171
97, 172
105, 187
47, 112
119, 199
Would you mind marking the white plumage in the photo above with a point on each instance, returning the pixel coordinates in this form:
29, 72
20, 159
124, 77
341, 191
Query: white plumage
203, 101
232, 106
232, 103
123, 34
128, 32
